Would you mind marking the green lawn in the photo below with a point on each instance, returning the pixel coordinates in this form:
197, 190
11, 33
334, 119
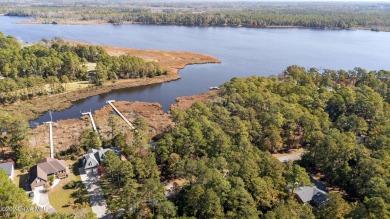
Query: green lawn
64, 200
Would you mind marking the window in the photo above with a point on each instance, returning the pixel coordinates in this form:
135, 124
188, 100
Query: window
90, 163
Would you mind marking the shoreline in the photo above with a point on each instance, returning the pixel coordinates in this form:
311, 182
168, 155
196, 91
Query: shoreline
67, 131
171, 61
36, 107
97, 22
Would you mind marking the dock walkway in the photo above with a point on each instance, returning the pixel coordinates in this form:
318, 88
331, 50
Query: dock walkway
92, 120
120, 114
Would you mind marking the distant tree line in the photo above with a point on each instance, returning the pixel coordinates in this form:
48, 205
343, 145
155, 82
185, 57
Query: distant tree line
43, 67
336, 17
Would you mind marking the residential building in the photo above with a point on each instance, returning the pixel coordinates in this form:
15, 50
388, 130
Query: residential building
40, 173
94, 158
310, 195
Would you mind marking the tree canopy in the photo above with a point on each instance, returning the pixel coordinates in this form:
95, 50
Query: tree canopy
222, 146
29, 69
227, 13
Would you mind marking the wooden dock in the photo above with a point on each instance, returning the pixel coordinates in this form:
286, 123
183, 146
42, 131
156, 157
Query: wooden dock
120, 114
92, 120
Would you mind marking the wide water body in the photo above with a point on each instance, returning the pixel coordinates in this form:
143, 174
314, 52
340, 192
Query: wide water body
243, 51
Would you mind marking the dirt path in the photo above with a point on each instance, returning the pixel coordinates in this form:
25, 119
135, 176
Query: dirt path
292, 155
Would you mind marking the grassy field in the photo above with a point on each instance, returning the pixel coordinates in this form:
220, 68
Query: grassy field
76, 85
64, 200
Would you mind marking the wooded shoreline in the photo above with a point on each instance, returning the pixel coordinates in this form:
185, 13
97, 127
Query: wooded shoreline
99, 22
169, 60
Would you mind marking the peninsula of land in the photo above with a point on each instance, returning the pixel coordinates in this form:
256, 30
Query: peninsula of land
170, 61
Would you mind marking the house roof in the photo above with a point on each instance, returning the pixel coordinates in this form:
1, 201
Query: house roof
7, 167
58, 164
319, 199
96, 156
91, 151
33, 176
90, 158
46, 167
41, 173
51, 165
102, 152
306, 193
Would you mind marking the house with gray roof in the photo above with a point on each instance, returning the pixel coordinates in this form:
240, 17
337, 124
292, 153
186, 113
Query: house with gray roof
93, 158
8, 167
310, 195
39, 174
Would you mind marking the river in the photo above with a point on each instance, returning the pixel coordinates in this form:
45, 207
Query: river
243, 51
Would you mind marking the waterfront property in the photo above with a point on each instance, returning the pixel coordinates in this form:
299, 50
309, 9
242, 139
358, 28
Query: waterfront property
49, 168
94, 158
8, 167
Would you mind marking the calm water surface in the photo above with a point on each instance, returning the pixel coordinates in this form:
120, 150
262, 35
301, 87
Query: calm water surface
243, 51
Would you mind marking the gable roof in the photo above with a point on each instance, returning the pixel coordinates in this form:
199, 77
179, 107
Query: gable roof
41, 173
46, 167
96, 156
51, 165
90, 158
7, 167
306, 193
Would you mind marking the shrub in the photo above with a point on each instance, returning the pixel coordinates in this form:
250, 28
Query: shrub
51, 179
70, 185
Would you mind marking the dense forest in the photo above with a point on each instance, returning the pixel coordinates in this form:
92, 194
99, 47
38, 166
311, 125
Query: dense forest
341, 118
218, 158
373, 16
219, 151
46, 67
